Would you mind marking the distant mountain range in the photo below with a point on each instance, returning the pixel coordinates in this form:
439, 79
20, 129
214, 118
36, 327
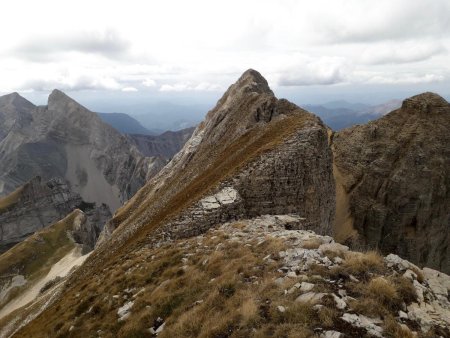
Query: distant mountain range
165, 116
341, 114
125, 123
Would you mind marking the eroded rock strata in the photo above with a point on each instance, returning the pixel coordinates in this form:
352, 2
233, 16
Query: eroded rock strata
38, 204
395, 172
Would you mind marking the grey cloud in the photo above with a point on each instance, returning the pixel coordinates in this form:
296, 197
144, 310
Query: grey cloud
310, 79
79, 83
108, 44
320, 71
408, 20
402, 54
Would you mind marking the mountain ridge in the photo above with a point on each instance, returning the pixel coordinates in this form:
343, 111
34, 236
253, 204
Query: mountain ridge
232, 237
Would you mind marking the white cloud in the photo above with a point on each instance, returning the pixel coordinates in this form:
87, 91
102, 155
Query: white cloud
408, 78
401, 52
129, 89
149, 83
70, 83
181, 87
52, 47
305, 70
203, 46
384, 20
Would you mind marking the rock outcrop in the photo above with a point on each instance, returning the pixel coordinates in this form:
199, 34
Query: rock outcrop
66, 140
396, 177
37, 204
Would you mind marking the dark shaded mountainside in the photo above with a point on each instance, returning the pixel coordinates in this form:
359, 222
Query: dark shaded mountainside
396, 173
165, 145
232, 237
124, 123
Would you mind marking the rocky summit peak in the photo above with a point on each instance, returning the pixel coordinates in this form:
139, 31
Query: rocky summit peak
425, 102
59, 101
252, 80
15, 99
246, 103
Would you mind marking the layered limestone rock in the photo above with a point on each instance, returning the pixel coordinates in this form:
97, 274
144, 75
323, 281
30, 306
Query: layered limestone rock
395, 175
66, 140
38, 204
253, 154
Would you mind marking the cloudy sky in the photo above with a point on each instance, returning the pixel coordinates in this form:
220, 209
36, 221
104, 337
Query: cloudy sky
193, 50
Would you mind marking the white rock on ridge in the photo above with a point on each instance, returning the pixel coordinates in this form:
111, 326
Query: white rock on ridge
331, 334
340, 304
227, 195
410, 274
400, 263
439, 282
209, 203
429, 315
305, 286
124, 311
310, 297
364, 322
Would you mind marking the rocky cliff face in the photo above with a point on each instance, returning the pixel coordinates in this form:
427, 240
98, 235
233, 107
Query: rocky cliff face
38, 204
165, 145
253, 154
65, 140
396, 177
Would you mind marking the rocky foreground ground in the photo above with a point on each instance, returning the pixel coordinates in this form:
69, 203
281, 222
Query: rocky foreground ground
256, 278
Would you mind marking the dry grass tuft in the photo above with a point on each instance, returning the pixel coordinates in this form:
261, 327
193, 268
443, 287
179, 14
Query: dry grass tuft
296, 313
381, 296
328, 316
381, 289
311, 244
358, 263
392, 329
419, 273
405, 289
368, 307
